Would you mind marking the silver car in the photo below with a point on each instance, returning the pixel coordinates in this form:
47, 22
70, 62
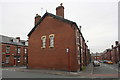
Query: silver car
96, 63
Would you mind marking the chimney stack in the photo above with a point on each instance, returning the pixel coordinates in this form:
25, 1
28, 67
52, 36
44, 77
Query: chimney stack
37, 18
18, 38
112, 46
60, 10
116, 43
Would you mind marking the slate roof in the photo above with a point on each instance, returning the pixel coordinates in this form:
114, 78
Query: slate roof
56, 17
12, 41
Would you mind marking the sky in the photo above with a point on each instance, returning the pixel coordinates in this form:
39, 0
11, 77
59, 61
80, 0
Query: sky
98, 18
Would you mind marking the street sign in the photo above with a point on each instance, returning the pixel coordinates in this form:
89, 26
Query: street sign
67, 50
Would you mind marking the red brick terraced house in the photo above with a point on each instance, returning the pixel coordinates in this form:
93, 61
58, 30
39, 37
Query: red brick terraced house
14, 51
96, 56
56, 43
112, 54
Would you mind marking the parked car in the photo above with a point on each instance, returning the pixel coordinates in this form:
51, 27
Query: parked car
96, 63
101, 61
104, 61
109, 62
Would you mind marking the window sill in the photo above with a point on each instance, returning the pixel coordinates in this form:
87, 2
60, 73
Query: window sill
43, 47
51, 46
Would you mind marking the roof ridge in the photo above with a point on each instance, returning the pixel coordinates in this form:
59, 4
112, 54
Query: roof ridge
55, 16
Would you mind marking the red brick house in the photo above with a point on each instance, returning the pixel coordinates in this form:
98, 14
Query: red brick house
14, 51
112, 54
96, 56
55, 43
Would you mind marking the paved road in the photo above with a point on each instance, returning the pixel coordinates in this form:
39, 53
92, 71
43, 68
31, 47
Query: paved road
104, 71
18, 74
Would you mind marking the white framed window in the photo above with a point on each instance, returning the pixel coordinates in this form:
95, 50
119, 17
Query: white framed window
26, 43
78, 61
43, 38
18, 59
18, 50
51, 38
81, 39
17, 40
25, 50
8, 49
117, 49
25, 58
7, 59
77, 37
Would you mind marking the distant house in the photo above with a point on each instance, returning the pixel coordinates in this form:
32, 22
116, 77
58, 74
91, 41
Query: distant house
112, 54
96, 56
56, 43
14, 51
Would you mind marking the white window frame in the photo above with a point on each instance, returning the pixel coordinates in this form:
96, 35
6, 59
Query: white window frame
18, 59
43, 42
25, 50
7, 49
51, 42
7, 59
77, 37
117, 49
18, 50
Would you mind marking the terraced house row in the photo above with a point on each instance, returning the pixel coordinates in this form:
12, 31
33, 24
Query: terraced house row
57, 43
112, 54
14, 51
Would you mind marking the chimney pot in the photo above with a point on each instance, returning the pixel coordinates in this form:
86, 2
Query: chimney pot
112, 46
18, 38
116, 43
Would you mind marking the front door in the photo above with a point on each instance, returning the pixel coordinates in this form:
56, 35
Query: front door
14, 61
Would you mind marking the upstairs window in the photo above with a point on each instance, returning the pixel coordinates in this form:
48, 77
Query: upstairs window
51, 40
43, 38
77, 37
8, 49
25, 50
18, 50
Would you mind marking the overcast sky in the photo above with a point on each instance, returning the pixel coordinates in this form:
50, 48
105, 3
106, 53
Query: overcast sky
98, 18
